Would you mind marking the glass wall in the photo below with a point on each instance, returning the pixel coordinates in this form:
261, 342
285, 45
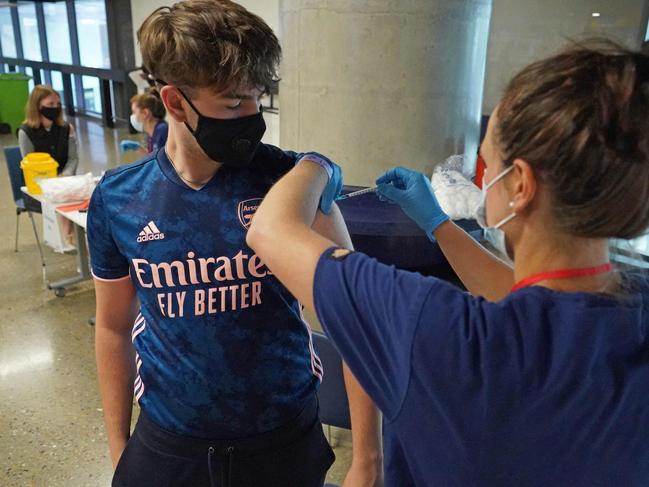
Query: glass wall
91, 94
29, 31
58, 32
76, 95
30, 72
90, 49
93, 34
57, 81
7, 39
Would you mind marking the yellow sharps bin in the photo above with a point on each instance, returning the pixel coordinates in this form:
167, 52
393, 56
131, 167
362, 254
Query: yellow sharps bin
35, 166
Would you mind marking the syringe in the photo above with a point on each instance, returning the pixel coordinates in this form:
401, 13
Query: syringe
356, 193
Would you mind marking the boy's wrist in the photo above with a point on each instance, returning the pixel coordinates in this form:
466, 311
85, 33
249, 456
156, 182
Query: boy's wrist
367, 457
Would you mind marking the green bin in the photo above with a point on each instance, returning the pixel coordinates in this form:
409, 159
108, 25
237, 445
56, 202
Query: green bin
14, 91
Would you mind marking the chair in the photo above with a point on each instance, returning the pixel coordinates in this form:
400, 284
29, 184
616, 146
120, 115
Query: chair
13, 158
332, 395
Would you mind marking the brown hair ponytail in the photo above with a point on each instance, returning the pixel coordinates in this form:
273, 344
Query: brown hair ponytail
581, 119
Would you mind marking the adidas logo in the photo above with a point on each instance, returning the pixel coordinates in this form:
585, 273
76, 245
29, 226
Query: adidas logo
150, 232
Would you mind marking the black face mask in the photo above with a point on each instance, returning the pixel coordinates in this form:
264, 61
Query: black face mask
51, 113
232, 142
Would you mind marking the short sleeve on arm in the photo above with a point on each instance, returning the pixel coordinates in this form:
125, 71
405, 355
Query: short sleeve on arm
274, 161
371, 312
107, 261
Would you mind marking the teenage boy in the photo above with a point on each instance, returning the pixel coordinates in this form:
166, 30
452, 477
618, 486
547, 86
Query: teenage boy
189, 319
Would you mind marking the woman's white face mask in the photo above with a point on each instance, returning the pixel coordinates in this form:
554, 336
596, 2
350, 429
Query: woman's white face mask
495, 235
137, 125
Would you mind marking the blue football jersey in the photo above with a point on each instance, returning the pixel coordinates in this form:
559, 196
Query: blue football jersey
221, 347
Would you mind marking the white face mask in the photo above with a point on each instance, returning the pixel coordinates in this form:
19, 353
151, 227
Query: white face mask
494, 234
137, 125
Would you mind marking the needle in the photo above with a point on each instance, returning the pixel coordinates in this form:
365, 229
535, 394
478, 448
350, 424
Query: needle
356, 193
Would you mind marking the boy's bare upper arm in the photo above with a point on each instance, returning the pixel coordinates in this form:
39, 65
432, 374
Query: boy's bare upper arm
333, 227
117, 304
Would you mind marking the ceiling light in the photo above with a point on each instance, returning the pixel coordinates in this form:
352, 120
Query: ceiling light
596, 14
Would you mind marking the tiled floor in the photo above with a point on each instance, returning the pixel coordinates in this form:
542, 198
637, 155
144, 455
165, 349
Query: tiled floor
51, 425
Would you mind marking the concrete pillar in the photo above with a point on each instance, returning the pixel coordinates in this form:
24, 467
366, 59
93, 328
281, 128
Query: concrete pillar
378, 83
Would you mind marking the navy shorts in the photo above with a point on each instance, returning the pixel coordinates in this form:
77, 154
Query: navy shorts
294, 455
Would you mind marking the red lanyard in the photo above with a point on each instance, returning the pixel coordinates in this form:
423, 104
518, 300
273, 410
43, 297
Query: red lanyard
563, 274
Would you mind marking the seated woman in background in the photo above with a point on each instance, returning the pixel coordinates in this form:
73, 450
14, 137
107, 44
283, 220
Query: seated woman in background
147, 116
44, 130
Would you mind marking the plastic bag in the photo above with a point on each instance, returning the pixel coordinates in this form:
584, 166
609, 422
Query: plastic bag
68, 189
455, 192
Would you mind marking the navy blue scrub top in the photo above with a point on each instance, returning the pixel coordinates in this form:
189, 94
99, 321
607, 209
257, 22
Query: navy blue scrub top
542, 389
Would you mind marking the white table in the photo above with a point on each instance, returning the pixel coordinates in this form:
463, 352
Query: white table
83, 260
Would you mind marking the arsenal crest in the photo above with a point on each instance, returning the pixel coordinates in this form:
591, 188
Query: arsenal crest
246, 209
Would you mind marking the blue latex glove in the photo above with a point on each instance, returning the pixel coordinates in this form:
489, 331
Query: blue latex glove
411, 190
335, 184
127, 145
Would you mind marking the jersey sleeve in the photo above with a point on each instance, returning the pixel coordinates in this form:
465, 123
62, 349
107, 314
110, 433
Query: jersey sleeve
275, 161
371, 312
107, 261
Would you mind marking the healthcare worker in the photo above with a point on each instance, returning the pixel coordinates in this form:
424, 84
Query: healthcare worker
147, 115
539, 377
45, 130
189, 321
